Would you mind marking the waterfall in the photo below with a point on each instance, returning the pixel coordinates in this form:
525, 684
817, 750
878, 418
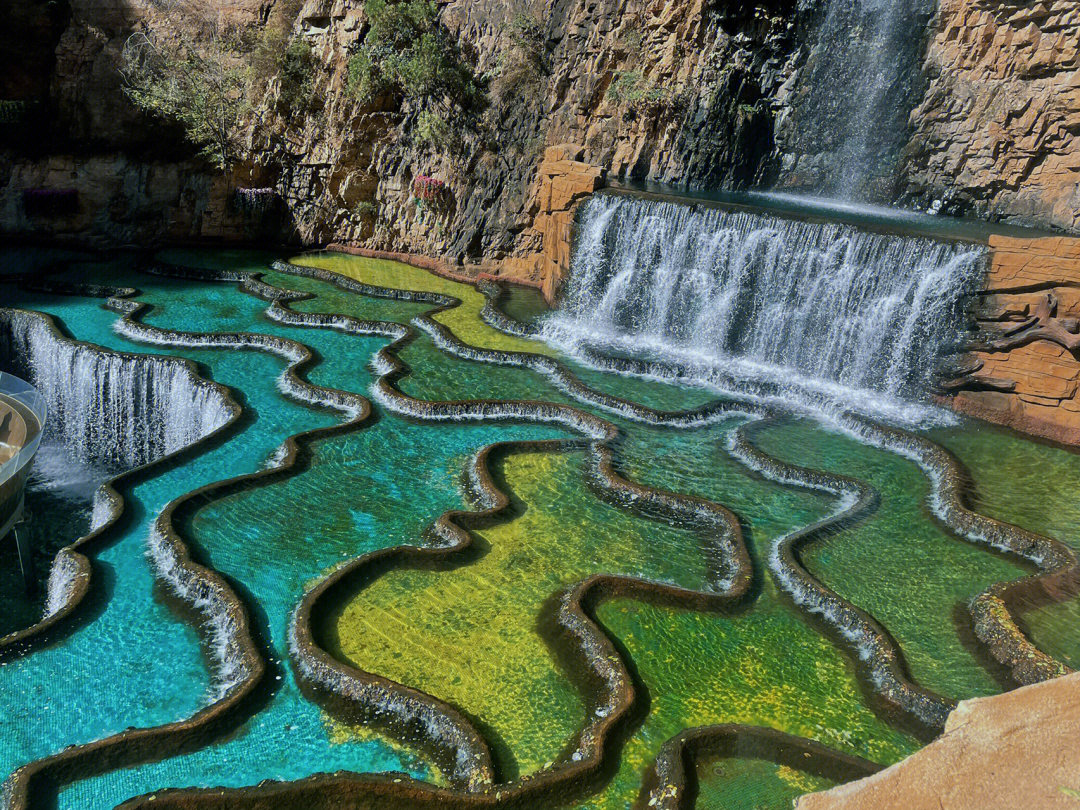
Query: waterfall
107, 409
860, 83
820, 306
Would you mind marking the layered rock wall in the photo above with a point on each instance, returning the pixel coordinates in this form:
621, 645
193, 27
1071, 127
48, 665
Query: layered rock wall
660, 91
998, 132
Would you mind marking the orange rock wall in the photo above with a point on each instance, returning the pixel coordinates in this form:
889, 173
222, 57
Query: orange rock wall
998, 130
1038, 382
563, 181
1016, 750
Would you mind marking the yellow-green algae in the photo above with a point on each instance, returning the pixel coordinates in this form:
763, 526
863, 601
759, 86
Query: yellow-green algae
762, 667
464, 320
470, 636
736, 783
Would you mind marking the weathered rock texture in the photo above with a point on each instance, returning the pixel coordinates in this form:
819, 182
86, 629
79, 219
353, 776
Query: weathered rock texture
696, 83
1024, 374
998, 131
696, 76
1016, 750
562, 183
136, 179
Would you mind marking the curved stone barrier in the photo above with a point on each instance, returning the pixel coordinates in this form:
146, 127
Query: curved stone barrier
71, 571
877, 649
990, 610
669, 784
228, 633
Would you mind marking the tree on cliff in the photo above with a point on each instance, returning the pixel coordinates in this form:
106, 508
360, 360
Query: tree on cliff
407, 53
202, 87
206, 77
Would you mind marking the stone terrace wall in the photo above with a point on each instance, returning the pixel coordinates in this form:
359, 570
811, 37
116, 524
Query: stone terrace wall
562, 183
1024, 374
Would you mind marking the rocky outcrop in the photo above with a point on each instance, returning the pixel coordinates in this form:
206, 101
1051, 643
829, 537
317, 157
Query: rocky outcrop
562, 183
136, 179
1025, 369
665, 92
1009, 751
998, 131
668, 92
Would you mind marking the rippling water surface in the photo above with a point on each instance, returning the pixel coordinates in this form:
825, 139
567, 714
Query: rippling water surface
478, 629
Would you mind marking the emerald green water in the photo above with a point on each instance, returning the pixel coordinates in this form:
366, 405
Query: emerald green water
478, 635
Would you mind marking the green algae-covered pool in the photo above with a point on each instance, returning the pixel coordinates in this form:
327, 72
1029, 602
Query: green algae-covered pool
616, 586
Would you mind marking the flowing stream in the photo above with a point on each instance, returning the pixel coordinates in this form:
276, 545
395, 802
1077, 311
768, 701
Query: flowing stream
861, 82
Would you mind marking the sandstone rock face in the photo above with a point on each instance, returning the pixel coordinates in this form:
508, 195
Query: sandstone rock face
998, 131
1031, 387
1016, 750
562, 183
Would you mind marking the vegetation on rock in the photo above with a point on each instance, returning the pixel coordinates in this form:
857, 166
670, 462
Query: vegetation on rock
204, 88
208, 78
407, 51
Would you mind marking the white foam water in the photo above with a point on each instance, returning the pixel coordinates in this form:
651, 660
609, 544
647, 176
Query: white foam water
114, 410
821, 309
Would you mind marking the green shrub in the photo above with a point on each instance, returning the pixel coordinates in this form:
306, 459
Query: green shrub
296, 72
407, 50
366, 209
432, 130
627, 88
524, 64
206, 88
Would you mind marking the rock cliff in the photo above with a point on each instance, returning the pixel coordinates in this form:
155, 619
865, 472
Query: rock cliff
997, 133
703, 93
661, 91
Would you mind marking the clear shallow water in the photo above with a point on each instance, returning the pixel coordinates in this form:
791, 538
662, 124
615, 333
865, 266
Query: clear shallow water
132, 686
1006, 469
765, 664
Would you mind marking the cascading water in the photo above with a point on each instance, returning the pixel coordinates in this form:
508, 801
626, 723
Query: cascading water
810, 306
111, 410
860, 84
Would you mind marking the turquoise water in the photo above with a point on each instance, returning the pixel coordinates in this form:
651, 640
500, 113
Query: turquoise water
101, 695
134, 661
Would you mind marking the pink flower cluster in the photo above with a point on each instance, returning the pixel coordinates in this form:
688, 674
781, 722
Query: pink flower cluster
428, 189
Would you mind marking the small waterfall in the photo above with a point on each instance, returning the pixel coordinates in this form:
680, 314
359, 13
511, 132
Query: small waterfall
110, 410
822, 306
861, 82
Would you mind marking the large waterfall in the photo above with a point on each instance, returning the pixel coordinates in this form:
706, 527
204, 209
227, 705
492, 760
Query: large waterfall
107, 409
822, 307
861, 81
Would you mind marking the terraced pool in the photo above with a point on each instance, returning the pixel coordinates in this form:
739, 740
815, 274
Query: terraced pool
400, 557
